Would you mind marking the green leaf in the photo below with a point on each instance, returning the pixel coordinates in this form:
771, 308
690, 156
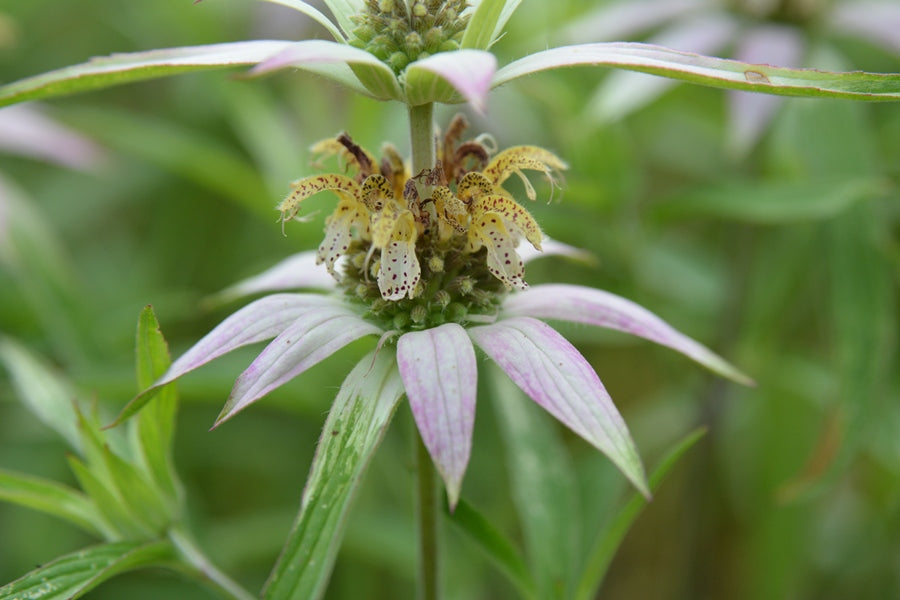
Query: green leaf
543, 487
862, 297
773, 203
487, 23
705, 70
608, 541
200, 159
50, 497
864, 324
156, 422
497, 546
117, 522
343, 10
315, 14
355, 426
43, 273
75, 574
44, 393
137, 495
116, 69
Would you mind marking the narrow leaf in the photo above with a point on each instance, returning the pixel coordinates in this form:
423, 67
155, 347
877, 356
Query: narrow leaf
308, 53
260, 320
597, 307
487, 23
137, 495
73, 575
116, 69
46, 394
319, 334
343, 10
543, 488
609, 540
749, 115
156, 422
555, 375
624, 92
50, 497
117, 522
313, 13
355, 426
495, 545
705, 70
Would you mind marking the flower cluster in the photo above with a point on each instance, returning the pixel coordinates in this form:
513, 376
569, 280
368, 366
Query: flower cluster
399, 33
417, 262
429, 262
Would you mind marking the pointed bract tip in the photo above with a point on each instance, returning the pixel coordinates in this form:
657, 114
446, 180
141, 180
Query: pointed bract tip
223, 416
452, 497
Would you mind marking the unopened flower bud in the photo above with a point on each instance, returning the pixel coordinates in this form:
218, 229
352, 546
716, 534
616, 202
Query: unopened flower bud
418, 314
398, 61
464, 285
435, 264
456, 312
413, 43
434, 37
481, 297
401, 320
442, 298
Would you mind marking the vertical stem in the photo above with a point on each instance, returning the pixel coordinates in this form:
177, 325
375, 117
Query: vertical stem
428, 509
421, 129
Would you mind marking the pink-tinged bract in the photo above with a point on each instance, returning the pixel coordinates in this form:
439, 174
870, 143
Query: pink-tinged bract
321, 332
440, 375
555, 375
581, 304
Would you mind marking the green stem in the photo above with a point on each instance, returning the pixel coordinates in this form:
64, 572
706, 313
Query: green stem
428, 510
421, 130
204, 569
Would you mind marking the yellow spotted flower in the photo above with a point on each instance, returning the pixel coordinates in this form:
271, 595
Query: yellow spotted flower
388, 230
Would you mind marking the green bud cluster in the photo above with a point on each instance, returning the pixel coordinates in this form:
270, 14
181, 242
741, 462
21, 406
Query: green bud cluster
455, 287
399, 32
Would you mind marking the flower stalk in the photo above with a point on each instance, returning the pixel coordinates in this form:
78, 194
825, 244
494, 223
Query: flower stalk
427, 509
421, 130
422, 139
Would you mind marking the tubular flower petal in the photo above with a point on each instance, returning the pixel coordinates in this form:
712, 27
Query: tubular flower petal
382, 220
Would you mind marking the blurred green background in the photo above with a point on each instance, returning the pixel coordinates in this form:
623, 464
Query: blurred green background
785, 260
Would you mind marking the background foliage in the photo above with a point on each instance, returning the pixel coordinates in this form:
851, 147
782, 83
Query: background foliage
785, 261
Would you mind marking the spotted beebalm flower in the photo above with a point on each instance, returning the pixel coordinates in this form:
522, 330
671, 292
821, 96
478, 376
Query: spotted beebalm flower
435, 277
